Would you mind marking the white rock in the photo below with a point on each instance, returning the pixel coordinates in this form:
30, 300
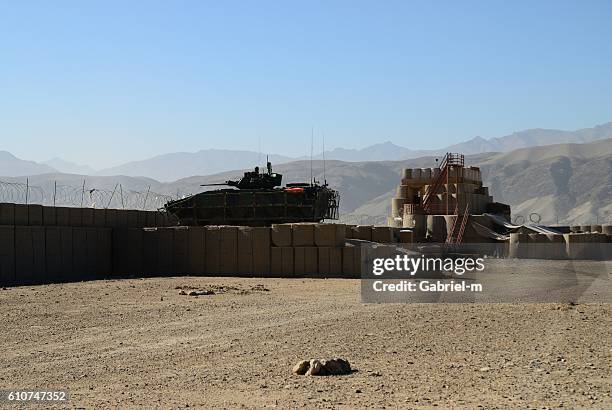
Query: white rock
315, 368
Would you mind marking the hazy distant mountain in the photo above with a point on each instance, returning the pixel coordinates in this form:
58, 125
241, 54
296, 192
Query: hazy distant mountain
173, 166
568, 182
386, 151
69, 167
170, 167
532, 138
565, 183
12, 166
571, 182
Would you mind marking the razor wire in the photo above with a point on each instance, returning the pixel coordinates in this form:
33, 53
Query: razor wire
21, 193
83, 196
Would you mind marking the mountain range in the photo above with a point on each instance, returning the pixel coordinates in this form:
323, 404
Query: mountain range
68, 167
173, 166
10, 165
561, 183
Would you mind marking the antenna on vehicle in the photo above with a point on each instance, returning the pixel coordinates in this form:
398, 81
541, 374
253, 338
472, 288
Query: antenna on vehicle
311, 149
324, 177
259, 150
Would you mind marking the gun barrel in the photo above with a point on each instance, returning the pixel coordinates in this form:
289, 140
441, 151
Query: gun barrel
226, 183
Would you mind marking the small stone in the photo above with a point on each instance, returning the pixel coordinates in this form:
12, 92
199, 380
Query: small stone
315, 368
344, 364
301, 368
335, 366
332, 367
484, 369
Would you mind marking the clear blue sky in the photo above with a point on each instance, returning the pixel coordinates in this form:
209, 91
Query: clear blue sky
110, 81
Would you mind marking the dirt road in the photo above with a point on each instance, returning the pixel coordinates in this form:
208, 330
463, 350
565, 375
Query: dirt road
139, 342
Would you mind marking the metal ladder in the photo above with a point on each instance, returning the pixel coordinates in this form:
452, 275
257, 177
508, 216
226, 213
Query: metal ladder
456, 240
449, 160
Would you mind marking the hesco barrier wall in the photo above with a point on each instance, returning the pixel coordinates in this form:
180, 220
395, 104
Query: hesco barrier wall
47, 245
288, 250
44, 244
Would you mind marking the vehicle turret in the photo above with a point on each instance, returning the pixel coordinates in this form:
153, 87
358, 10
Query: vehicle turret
255, 180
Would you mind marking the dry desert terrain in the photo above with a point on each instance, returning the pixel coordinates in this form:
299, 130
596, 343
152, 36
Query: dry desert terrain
141, 343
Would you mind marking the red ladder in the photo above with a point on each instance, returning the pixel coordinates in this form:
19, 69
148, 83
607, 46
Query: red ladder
448, 161
466, 216
451, 239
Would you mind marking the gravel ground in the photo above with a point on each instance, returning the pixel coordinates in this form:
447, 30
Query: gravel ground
140, 342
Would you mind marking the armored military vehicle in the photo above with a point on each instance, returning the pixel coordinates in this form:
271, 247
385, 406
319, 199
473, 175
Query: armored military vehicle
257, 199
